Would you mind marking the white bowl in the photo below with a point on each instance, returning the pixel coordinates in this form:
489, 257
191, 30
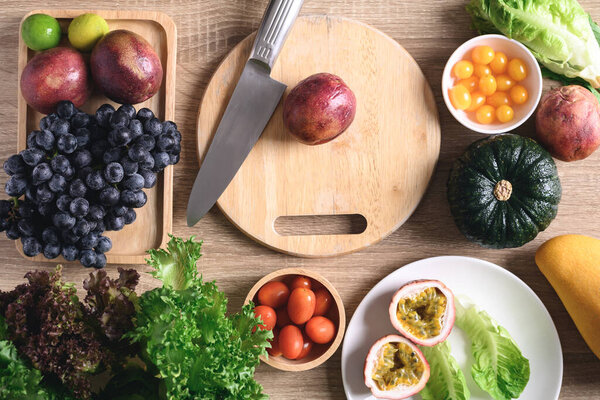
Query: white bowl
512, 49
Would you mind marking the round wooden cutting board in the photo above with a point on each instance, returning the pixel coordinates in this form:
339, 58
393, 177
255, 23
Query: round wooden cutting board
379, 168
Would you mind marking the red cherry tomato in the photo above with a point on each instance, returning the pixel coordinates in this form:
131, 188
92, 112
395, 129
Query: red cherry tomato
268, 316
300, 281
275, 350
324, 301
320, 329
301, 305
273, 294
291, 342
283, 318
306, 347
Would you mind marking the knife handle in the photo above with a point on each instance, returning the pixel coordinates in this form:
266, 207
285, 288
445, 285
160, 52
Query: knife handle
274, 29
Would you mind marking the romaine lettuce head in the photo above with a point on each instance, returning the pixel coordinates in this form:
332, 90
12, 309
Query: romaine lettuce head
559, 33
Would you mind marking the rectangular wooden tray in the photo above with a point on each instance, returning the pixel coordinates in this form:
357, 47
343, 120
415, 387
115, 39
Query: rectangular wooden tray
154, 220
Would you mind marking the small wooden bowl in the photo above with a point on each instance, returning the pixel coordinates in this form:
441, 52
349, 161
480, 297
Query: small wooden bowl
320, 352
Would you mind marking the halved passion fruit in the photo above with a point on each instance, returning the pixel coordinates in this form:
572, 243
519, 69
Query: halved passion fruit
423, 311
395, 368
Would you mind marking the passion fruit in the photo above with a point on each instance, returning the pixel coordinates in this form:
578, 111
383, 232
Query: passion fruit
423, 311
395, 368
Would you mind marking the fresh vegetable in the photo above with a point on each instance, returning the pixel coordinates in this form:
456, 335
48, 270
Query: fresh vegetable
290, 341
320, 329
185, 335
395, 368
323, 301
283, 318
133, 383
560, 34
267, 316
274, 294
481, 93
319, 109
300, 282
307, 345
499, 368
568, 123
503, 191
82, 175
570, 263
275, 350
62, 337
423, 311
301, 305
447, 380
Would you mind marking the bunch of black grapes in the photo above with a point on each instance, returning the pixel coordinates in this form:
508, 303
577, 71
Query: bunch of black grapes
82, 175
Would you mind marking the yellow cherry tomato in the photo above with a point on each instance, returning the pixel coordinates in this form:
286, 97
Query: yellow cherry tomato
481, 70
469, 83
485, 114
460, 97
518, 94
477, 100
482, 55
517, 69
498, 64
487, 85
497, 99
463, 69
504, 82
505, 113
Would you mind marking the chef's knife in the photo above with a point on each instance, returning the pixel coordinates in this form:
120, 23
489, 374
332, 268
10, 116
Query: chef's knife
253, 101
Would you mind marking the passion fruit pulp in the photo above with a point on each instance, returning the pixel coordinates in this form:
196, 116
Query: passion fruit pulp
423, 311
395, 368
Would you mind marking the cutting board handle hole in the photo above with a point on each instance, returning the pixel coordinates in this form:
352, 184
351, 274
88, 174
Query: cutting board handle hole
302, 225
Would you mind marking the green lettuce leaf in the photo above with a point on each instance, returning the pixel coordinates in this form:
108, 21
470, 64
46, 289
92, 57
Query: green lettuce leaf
558, 33
499, 368
447, 381
188, 339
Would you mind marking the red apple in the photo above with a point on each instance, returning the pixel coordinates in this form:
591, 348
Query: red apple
125, 67
54, 75
319, 109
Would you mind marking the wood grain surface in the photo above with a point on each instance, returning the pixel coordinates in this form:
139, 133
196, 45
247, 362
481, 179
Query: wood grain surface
430, 31
386, 160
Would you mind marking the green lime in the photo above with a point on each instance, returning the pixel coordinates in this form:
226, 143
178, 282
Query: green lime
40, 32
86, 30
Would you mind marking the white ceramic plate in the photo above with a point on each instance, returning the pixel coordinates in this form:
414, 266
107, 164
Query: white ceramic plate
504, 296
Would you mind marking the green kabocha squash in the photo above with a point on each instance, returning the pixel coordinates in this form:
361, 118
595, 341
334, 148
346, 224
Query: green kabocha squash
503, 191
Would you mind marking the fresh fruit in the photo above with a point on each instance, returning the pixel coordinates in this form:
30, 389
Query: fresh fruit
40, 32
481, 70
483, 55
503, 191
268, 316
300, 281
504, 82
125, 67
275, 350
568, 122
517, 69
301, 305
463, 69
423, 311
319, 109
395, 368
291, 342
323, 301
460, 97
477, 100
499, 63
320, 329
487, 85
307, 346
518, 94
498, 99
85, 31
485, 114
61, 205
54, 75
505, 113
273, 294
570, 263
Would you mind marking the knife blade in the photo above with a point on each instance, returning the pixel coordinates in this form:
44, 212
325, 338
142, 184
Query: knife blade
250, 108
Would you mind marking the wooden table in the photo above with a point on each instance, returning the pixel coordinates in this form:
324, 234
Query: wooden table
430, 31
